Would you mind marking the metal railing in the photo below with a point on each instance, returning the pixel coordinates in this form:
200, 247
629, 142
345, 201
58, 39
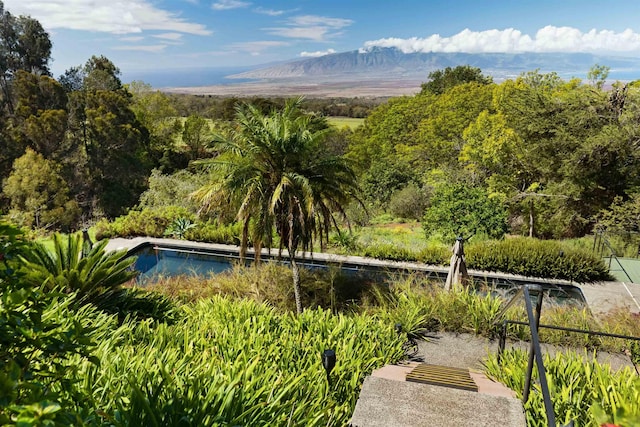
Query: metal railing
600, 242
535, 352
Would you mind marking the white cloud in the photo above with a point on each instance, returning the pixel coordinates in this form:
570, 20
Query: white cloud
269, 12
117, 17
257, 47
312, 27
317, 53
169, 36
143, 48
547, 39
230, 4
133, 39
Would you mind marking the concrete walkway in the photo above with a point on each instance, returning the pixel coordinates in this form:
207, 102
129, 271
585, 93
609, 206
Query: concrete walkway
387, 400
384, 403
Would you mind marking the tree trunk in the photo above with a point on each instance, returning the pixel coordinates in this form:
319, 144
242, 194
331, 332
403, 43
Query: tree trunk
532, 219
296, 283
243, 240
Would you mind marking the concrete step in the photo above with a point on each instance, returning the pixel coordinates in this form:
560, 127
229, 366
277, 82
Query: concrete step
387, 400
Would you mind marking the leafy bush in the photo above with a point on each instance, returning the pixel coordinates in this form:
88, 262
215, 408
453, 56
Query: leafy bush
537, 258
39, 337
213, 232
461, 210
159, 222
388, 251
383, 178
172, 190
409, 202
92, 275
179, 227
582, 390
147, 222
434, 255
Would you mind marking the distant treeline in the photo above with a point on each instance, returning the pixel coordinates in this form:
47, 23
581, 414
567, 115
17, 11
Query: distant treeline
223, 107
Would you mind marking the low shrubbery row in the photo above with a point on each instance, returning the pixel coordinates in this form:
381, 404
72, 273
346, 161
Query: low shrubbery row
523, 256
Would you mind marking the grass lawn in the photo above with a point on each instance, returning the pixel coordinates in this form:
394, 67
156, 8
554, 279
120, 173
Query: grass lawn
341, 122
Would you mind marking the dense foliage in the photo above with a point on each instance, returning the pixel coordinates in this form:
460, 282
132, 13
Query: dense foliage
557, 152
220, 360
39, 337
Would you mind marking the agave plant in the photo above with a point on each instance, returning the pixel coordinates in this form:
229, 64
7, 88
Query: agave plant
179, 227
93, 275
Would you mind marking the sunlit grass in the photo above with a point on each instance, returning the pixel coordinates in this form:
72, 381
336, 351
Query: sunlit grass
340, 122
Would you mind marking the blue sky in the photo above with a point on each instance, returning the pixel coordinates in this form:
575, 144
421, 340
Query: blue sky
140, 35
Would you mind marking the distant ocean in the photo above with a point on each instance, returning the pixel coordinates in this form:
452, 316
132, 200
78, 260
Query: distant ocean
186, 77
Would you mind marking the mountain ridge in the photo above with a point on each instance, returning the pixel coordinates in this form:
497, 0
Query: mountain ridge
392, 63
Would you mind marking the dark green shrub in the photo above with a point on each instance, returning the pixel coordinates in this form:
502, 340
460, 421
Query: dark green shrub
91, 274
39, 337
409, 202
382, 179
434, 255
537, 258
388, 251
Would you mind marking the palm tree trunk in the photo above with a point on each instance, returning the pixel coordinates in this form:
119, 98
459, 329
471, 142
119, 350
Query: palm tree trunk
243, 240
296, 283
532, 219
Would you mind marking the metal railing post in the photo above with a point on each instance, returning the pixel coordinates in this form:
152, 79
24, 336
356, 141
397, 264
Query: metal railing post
503, 340
532, 349
534, 320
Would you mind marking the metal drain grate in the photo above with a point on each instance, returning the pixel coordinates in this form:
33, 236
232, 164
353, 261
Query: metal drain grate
443, 376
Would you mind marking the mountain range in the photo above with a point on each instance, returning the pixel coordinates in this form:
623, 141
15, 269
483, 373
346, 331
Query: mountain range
393, 64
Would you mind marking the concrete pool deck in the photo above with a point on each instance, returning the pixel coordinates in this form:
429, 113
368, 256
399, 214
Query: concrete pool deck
600, 297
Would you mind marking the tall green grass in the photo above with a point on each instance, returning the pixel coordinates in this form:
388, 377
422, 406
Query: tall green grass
582, 390
237, 363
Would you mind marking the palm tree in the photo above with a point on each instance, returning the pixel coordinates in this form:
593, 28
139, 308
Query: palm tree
275, 168
92, 274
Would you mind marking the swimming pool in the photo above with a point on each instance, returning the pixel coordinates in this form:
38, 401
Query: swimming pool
162, 260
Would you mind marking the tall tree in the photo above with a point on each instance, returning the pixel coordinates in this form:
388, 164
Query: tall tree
196, 134
39, 196
277, 171
442, 80
24, 45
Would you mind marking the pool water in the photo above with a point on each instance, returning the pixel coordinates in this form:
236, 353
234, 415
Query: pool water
153, 262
